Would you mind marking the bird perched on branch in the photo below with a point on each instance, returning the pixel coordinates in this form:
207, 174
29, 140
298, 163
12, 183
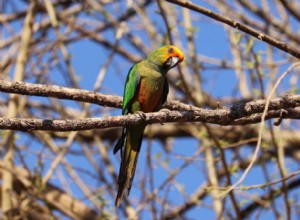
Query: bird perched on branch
146, 89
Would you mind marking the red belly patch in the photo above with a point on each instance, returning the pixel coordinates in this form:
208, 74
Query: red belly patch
149, 96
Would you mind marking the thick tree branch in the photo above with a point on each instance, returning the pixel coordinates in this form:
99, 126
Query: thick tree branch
60, 93
221, 117
80, 95
239, 110
239, 114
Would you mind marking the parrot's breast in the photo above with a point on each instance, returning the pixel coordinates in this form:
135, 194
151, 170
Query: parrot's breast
150, 94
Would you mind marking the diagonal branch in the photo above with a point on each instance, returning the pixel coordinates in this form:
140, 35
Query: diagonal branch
244, 28
53, 196
273, 194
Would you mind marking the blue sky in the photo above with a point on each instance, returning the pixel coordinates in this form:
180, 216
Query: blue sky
87, 58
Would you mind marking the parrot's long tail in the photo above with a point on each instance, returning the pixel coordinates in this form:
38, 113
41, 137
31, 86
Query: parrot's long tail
132, 141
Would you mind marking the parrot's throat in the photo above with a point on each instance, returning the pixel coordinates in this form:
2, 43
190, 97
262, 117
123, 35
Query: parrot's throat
169, 64
159, 68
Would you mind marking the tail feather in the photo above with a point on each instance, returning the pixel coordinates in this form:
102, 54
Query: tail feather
132, 141
120, 143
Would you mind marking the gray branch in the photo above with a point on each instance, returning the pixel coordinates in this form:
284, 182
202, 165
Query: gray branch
220, 117
239, 114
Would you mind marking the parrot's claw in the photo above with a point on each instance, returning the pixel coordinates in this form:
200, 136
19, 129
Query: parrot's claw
165, 110
141, 114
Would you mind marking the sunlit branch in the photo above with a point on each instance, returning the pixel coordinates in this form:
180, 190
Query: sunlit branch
221, 117
240, 26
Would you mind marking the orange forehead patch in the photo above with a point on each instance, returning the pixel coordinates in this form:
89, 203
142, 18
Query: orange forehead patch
175, 52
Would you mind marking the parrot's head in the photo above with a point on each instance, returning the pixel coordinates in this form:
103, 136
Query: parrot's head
166, 57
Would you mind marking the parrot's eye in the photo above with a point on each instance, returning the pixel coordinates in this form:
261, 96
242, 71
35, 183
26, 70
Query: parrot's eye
171, 50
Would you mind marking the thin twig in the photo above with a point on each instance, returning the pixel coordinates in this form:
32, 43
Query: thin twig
257, 148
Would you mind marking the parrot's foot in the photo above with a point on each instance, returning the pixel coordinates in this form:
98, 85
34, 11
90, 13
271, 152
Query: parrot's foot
165, 110
141, 114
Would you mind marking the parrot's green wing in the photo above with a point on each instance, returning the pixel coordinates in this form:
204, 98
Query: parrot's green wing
132, 83
164, 95
165, 92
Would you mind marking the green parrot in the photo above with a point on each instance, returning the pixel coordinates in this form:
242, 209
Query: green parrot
146, 89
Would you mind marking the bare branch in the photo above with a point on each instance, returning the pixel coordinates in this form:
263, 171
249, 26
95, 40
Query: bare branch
220, 117
237, 111
240, 26
50, 194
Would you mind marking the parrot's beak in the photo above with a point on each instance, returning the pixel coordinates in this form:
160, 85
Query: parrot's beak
172, 62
